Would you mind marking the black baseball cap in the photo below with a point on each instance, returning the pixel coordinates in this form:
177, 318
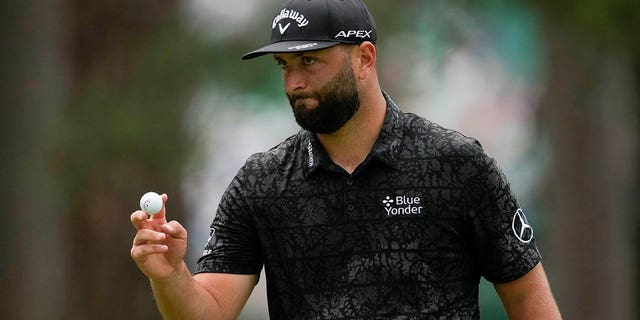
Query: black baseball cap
305, 25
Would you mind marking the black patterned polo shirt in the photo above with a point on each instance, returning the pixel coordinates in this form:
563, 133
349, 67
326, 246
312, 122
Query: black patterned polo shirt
407, 235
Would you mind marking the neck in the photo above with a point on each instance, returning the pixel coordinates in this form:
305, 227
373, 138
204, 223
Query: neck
349, 146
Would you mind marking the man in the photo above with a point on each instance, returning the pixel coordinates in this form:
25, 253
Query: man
366, 213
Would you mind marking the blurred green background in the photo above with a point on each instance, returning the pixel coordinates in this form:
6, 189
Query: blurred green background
105, 100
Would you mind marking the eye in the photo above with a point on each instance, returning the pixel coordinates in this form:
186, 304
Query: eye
308, 60
281, 63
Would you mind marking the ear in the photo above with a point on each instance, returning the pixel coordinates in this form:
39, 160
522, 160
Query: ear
367, 55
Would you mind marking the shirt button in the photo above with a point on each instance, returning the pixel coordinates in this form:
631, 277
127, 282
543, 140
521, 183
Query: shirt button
350, 182
350, 207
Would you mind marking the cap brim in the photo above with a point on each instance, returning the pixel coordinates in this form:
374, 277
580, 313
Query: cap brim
290, 47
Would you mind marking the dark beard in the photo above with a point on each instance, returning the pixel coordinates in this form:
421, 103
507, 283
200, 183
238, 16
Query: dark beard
338, 101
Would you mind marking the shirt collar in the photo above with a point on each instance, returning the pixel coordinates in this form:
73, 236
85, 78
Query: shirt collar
388, 145
313, 152
385, 149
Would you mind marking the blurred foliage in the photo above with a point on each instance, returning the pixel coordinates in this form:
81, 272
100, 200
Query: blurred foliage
135, 68
611, 23
598, 32
131, 110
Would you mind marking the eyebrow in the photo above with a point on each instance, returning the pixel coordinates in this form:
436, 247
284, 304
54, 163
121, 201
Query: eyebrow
277, 56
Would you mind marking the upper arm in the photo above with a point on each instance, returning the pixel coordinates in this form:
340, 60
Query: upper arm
230, 291
529, 297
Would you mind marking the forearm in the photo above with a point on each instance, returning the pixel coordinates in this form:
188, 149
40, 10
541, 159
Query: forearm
181, 297
529, 297
538, 305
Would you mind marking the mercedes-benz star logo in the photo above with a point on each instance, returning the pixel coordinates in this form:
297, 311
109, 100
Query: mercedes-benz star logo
521, 228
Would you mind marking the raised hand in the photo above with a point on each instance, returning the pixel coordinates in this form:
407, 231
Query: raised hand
159, 246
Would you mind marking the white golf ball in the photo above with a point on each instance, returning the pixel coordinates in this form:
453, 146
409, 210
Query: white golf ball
151, 203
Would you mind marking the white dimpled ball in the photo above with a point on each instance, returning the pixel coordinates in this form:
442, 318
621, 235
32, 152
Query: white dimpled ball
151, 203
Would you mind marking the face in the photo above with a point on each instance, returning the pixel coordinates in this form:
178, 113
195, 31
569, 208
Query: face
321, 107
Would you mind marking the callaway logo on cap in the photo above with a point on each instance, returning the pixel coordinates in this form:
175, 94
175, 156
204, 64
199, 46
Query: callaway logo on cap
305, 25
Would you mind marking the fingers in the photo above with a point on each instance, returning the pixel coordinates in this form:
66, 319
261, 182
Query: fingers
158, 247
138, 218
145, 236
138, 252
172, 229
172, 236
141, 219
175, 230
162, 214
158, 241
147, 242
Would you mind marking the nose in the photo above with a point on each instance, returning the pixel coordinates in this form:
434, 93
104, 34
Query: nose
294, 80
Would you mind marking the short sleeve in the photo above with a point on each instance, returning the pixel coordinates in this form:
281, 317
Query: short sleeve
504, 239
233, 245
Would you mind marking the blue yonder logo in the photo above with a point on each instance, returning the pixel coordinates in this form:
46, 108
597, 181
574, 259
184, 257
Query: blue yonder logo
403, 205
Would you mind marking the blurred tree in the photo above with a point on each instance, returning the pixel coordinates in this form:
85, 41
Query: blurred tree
34, 85
93, 94
590, 111
134, 69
